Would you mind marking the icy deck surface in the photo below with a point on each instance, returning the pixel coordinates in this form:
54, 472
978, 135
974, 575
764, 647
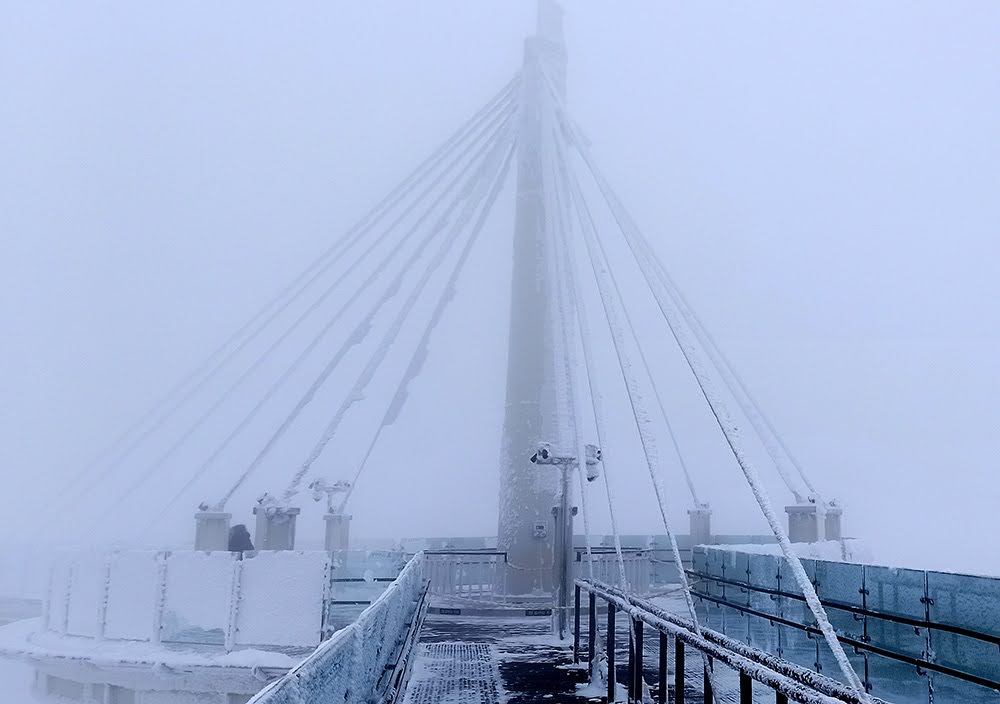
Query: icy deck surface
469, 660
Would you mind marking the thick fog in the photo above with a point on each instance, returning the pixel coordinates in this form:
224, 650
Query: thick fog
820, 179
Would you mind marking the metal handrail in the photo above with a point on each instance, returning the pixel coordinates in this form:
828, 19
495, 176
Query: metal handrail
861, 611
789, 681
857, 643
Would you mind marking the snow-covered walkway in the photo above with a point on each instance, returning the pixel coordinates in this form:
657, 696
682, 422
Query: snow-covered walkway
470, 660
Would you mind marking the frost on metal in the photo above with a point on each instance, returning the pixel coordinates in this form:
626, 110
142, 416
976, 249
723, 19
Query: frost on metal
350, 666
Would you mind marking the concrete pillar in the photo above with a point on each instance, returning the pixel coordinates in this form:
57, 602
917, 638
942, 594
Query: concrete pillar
275, 527
211, 530
701, 525
532, 399
338, 531
832, 523
802, 523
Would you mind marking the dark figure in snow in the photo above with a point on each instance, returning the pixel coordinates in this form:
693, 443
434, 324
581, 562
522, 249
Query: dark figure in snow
239, 539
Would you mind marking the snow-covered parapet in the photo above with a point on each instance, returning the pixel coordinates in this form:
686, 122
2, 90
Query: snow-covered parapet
350, 666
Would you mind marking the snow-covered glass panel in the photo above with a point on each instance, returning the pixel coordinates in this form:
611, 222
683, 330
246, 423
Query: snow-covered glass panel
841, 583
897, 592
57, 601
967, 602
86, 599
197, 600
281, 598
132, 594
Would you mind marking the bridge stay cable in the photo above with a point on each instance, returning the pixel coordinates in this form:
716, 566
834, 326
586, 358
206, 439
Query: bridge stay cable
421, 352
199, 377
610, 296
731, 433
304, 315
563, 201
564, 264
294, 366
758, 420
361, 330
773, 443
478, 194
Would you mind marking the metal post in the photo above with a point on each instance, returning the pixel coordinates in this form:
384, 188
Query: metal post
707, 682
662, 669
637, 671
678, 671
611, 653
576, 625
630, 683
591, 628
746, 688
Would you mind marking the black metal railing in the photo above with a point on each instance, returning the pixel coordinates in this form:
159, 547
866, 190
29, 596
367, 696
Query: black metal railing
788, 681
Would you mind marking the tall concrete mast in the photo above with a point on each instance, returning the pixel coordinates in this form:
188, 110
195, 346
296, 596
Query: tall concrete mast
527, 492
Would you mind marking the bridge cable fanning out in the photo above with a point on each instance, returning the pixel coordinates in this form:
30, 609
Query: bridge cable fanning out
576, 320
394, 249
361, 330
296, 364
729, 429
610, 296
197, 379
420, 352
495, 166
772, 442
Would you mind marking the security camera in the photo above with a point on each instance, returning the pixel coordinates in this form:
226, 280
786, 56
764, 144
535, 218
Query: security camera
543, 453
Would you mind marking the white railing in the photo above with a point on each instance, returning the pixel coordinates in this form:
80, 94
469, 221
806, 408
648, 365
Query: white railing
355, 665
480, 576
286, 598
467, 574
636, 563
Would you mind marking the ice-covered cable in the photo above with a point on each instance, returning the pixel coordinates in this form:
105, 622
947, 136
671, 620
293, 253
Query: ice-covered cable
380, 267
292, 291
480, 194
596, 399
361, 330
731, 433
721, 361
420, 353
610, 298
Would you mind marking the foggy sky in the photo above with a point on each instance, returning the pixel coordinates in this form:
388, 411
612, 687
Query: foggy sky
821, 180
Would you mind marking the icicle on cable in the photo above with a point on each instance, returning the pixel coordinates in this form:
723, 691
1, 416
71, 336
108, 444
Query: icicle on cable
731, 433
207, 371
610, 295
420, 353
477, 196
361, 330
303, 316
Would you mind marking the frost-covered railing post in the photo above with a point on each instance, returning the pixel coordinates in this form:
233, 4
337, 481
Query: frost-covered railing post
364, 661
235, 597
161, 596
105, 593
